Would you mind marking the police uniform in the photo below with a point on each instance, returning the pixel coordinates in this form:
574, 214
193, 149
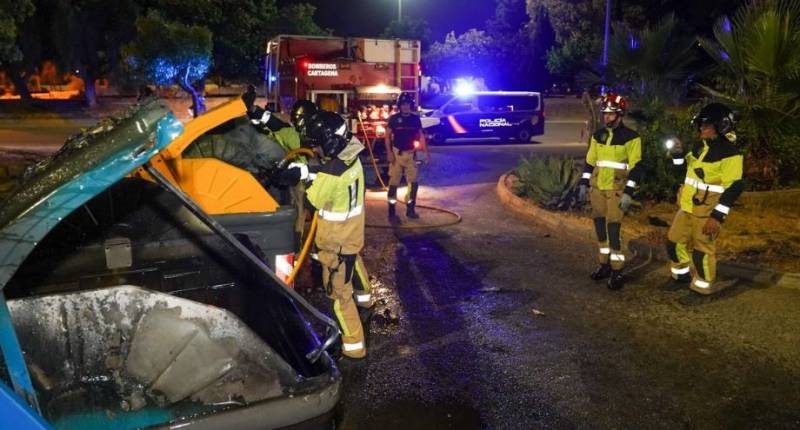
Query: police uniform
405, 131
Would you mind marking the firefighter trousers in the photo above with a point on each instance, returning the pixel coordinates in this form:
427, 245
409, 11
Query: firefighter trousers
361, 286
404, 164
607, 218
687, 232
338, 272
298, 193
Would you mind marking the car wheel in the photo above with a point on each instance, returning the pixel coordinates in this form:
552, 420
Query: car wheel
437, 137
524, 135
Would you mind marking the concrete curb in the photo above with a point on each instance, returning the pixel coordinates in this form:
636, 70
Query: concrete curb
583, 228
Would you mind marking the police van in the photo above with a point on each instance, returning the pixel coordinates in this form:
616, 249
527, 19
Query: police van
515, 115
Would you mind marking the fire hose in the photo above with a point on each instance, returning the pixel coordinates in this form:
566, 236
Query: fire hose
374, 161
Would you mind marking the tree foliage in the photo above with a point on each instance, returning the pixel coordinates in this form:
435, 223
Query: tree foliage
12, 14
166, 52
409, 28
240, 32
469, 54
757, 51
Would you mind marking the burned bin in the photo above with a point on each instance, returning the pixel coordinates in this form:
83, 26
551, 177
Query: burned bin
131, 307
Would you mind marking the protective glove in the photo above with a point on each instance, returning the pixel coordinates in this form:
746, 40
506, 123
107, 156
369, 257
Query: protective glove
258, 115
625, 203
290, 177
249, 98
583, 191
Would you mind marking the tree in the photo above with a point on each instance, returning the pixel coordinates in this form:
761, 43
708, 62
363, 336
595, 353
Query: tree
166, 52
469, 54
86, 35
13, 14
240, 32
298, 19
653, 64
519, 47
757, 53
578, 29
409, 28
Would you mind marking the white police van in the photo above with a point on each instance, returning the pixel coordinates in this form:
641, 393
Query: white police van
498, 114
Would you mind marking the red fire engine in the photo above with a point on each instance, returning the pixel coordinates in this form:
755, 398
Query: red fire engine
358, 77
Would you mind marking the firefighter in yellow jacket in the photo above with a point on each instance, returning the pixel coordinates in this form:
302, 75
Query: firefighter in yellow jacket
337, 193
612, 172
712, 184
289, 137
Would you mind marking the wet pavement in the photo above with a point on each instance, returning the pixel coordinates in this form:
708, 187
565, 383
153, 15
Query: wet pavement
494, 324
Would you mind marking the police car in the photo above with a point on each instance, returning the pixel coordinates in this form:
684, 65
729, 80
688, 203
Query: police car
483, 114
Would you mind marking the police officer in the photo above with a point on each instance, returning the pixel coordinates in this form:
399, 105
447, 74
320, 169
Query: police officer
403, 138
337, 193
712, 184
289, 137
612, 172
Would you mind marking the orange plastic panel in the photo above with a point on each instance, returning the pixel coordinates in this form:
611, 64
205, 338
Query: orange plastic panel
220, 188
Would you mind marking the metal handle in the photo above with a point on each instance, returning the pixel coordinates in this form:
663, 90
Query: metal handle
333, 329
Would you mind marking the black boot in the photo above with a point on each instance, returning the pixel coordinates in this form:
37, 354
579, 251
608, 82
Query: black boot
616, 281
603, 271
412, 201
677, 284
392, 196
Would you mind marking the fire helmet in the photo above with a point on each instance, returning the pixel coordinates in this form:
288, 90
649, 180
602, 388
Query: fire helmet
613, 103
717, 114
328, 131
301, 111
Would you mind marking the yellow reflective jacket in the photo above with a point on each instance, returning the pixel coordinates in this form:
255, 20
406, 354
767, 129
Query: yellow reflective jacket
338, 195
713, 178
612, 159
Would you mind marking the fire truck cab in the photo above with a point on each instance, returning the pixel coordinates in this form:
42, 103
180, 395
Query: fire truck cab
360, 78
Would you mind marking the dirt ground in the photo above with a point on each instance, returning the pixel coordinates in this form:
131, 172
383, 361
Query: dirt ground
768, 238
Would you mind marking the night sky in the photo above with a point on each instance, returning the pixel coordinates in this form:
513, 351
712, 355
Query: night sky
370, 17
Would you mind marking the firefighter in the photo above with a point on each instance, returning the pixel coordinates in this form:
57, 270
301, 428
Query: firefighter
612, 172
713, 181
289, 137
404, 138
337, 192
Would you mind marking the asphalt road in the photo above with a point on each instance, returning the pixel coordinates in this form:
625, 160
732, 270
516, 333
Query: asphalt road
494, 324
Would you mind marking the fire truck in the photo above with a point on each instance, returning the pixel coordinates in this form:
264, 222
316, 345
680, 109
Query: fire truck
360, 78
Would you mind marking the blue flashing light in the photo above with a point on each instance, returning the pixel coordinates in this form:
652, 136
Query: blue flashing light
273, 78
464, 88
726, 25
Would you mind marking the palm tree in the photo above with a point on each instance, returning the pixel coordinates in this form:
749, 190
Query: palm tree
650, 65
757, 51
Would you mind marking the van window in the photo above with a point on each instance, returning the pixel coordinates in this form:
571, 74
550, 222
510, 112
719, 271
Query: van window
458, 108
501, 103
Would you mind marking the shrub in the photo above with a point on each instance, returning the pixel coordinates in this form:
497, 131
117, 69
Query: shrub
547, 180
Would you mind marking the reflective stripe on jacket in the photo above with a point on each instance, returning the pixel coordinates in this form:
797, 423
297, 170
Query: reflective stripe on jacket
713, 179
612, 159
338, 195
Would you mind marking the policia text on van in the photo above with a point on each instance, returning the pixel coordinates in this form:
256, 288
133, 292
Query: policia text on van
497, 114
